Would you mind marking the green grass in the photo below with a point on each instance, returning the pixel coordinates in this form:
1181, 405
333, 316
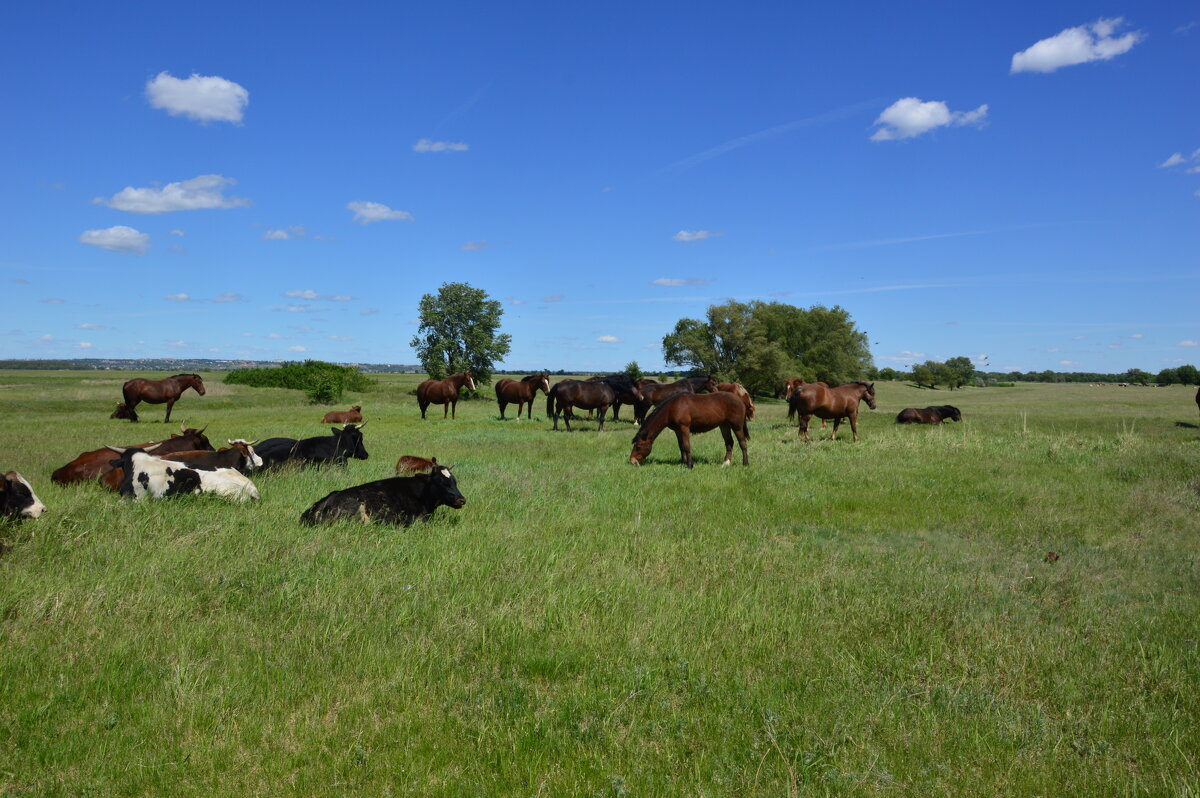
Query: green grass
838, 619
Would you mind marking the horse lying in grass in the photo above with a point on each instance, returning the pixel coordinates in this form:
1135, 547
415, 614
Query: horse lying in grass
930, 415
686, 413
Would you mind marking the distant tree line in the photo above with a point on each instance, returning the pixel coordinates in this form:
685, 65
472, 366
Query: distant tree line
959, 371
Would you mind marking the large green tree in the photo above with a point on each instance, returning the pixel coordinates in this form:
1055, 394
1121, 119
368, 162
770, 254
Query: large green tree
460, 332
1188, 374
761, 344
961, 371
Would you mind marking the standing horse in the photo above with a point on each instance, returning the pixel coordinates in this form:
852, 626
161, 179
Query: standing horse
597, 396
155, 392
835, 403
687, 413
520, 392
738, 390
443, 392
793, 385
655, 393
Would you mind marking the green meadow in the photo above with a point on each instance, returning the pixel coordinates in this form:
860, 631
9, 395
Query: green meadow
837, 619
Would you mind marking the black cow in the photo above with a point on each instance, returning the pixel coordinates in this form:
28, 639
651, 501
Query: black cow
17, 499
395, 500
930, 415
345, 442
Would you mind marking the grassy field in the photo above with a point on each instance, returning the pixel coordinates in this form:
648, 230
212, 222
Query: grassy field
838, 619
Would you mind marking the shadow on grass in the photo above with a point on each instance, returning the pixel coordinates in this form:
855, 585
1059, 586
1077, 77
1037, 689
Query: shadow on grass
1187, 425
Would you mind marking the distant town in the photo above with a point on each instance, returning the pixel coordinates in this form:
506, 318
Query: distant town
186, 364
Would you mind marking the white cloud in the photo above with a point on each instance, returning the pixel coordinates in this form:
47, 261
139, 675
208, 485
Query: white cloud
296, 348
609, 339
176, 232
47, 337
909, 117
302, 293
284, 233
428, 145
85, 345
475, 246
274, 335
368, 212
554, 298
89, 326
118, 238
517, 302
1188, 343
1174, 160
678, 281
200, 97
200, 193
177, 297
1079, 338
1066, 362
53, 301
296, 309
1091, 42
247, 335
229, 296
687, 236
1137, 335
340, 298
342, 338
368, 311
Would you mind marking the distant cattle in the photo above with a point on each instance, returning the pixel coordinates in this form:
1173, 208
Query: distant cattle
344, 443
17, 499
395, 500
930, 415
409, 464
147, 475
351, 416
91, 465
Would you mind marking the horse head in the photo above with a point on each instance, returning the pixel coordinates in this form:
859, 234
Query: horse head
869, 394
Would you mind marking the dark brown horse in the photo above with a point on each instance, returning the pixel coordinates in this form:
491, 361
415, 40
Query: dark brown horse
930, 415
521, 391
598, 396
834, 403
443, 392
687, 413
155, 392
654, 393
793, 385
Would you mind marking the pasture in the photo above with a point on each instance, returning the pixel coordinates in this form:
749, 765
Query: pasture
837, 619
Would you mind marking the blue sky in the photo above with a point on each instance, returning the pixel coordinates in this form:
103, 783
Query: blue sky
1019, 181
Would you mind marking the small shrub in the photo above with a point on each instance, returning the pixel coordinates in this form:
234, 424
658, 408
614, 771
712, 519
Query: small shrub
321, 382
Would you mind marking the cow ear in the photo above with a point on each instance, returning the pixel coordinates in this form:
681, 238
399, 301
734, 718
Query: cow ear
433, 460
337, 431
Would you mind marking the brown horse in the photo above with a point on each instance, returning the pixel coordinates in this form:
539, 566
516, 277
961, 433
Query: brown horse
834, 403
739, 391
598, 396
520, 392
793, 385
687, 413
655, 393
155, 392
930, 415
443, 392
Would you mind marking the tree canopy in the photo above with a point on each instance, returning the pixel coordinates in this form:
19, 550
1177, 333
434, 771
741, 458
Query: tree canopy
459, 332
761, 344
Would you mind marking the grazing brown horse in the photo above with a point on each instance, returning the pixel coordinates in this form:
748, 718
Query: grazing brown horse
930, 415
687, 413
834, 403
520, 392
739, 391
155, 392
655, 393
598, 396
443, 392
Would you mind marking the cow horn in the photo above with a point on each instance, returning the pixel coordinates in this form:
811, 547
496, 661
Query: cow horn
181, 427
360, 426
151, 448
117, 449
203, 428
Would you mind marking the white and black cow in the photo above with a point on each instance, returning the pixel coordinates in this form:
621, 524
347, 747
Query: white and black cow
344, 443
17, 499
396, 500
147, 475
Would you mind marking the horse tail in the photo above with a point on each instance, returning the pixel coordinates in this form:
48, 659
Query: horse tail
550, 401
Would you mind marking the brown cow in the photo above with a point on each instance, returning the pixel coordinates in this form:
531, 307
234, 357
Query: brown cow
90, 465
411, 464
351, 416
239, 455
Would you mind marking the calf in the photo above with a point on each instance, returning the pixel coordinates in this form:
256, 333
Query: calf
96, 463
395, 500
147, 475
410, 464
930, 415
351, 416
17, 499
344, 443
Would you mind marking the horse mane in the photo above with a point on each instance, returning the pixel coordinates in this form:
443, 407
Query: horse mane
531, 378
644, 431
197, 376
624, 380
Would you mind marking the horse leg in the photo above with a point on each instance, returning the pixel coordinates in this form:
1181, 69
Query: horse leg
445, 411
837, 422
423, 405
503, 405
727, 434
170, 404
742, 435
803, 427
685, 445
854, 424
602, 410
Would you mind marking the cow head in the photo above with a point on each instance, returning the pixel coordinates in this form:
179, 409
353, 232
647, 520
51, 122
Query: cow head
250, 458
17, 499
349, 442
444, 488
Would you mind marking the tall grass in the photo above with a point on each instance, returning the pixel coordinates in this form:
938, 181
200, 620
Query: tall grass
838, 619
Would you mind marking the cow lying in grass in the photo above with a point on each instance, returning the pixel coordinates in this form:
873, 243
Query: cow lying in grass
410, 464
395, 500
147, 475
17, 499
344, 443
351, 416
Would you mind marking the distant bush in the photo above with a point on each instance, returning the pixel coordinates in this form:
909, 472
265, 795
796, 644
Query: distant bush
322, 383
1004, 385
